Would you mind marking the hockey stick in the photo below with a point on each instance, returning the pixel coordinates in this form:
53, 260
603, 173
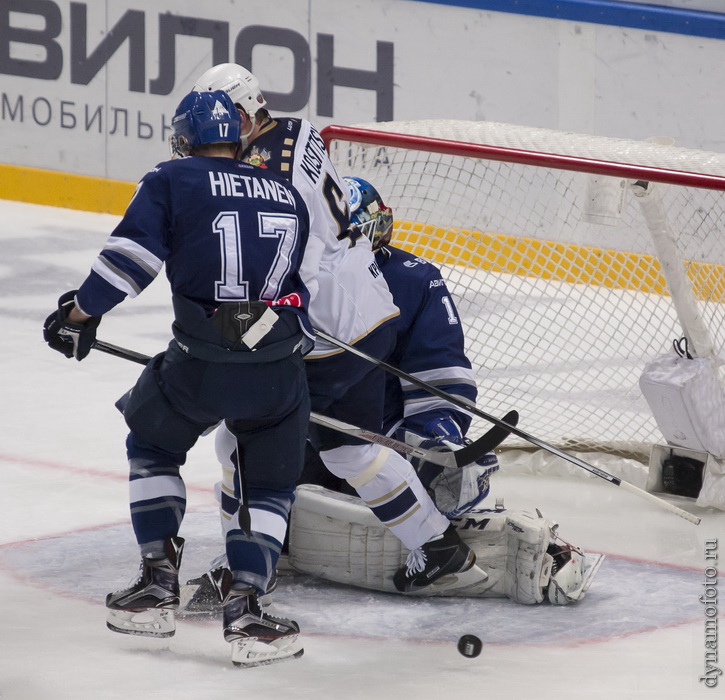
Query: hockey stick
471, 406
123, 353
455, 458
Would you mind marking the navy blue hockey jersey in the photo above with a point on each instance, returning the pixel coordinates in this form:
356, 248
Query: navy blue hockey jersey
186, 214
430, 343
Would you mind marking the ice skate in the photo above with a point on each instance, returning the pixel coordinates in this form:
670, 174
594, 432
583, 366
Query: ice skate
147, 606
443, 562
200, 596
256, 637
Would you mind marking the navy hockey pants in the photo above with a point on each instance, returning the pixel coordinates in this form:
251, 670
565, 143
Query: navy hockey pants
175, 400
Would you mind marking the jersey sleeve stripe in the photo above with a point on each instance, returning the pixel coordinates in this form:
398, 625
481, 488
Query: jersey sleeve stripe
442, 375
144, 258
423, 405
122, 281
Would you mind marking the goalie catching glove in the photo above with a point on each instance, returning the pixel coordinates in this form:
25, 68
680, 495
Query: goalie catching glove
68, 338
454, 490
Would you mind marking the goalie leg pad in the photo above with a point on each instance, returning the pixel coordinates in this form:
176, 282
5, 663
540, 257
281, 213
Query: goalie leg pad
511, 546
336, 537
525, 558
572, 573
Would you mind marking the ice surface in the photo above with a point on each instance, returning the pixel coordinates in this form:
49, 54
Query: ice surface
65, 541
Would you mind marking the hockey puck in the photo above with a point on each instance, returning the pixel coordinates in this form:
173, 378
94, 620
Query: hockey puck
469, 645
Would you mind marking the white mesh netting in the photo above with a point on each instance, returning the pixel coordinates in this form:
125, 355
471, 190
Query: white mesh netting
553, 270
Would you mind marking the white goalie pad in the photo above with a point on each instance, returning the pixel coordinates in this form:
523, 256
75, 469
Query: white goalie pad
571, 574
337, 538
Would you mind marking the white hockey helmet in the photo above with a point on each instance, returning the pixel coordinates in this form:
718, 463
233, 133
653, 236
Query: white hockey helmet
240, 85
237, 82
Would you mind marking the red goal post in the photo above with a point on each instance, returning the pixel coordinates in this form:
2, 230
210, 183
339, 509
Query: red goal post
568, 276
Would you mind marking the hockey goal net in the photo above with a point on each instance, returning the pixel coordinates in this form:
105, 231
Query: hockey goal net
567, 276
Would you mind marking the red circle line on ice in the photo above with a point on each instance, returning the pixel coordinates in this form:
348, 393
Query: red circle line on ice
616, 605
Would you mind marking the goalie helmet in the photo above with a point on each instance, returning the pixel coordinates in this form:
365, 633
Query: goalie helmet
203, 118
368, 213
241, 86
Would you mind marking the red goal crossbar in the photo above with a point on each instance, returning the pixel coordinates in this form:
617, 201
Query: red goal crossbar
523, 157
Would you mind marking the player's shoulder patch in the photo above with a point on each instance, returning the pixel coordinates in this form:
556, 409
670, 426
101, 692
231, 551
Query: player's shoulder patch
290, 127
417, 266
160, 170
165, 165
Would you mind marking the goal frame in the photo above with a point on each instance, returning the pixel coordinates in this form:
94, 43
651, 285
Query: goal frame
521, 156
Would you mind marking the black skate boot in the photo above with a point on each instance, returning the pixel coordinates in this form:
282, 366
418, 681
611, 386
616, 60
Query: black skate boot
443, 556
256, 637
200, 596
147, 606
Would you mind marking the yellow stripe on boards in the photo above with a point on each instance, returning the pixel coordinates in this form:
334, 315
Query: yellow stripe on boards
549, 260
529, 257
67, 190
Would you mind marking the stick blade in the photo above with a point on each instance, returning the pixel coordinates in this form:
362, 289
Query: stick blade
488, 441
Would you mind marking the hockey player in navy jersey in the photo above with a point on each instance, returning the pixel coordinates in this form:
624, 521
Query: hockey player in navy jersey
233, 239
349, 300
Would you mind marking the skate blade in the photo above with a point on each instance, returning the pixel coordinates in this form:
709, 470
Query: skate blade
462, 581
153, 622
250, 651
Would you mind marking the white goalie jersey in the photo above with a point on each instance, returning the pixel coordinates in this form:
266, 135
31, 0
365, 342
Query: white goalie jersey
335, 537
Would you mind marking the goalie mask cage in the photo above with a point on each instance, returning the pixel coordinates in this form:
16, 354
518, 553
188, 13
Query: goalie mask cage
568, 277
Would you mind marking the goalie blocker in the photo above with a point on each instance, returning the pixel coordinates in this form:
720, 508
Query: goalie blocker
335, 537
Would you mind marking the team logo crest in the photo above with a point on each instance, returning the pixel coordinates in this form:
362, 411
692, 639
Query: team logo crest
219, 111
258, 158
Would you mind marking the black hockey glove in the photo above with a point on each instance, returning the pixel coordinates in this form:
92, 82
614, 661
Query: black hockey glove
69, 339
